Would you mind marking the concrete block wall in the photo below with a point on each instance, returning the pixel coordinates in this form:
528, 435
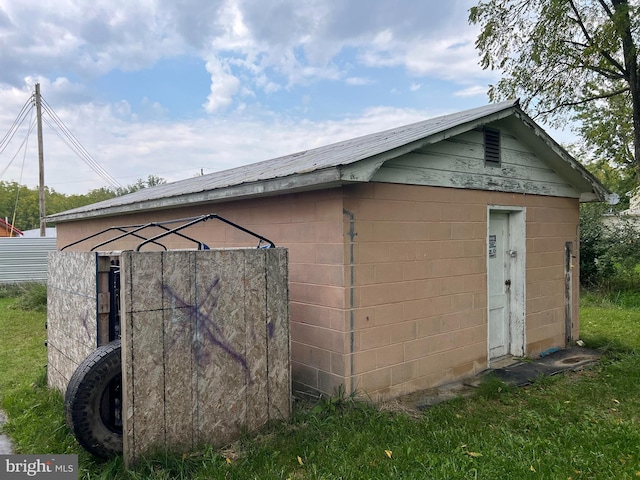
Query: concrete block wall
413, 315
420, 282
310, 225
420, 286
551, 222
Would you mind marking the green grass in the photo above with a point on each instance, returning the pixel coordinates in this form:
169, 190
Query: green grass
577, 425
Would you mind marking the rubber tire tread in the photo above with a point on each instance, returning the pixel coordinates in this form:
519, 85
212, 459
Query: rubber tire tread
83, 397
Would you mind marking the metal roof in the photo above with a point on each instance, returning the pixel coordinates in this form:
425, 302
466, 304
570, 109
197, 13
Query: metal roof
317, 168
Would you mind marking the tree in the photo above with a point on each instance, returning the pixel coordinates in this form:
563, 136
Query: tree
20, 206
573, 59
151, 181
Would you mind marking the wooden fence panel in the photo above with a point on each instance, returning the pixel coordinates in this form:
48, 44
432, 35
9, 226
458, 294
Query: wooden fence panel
211, 356
71, 314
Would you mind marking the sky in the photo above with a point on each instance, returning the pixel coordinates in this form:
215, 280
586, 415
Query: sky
180, 88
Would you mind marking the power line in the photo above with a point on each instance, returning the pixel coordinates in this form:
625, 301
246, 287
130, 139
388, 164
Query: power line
76, 146
31, 127
105, 176
28, 105
61, 130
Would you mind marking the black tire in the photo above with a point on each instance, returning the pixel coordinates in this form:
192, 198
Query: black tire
93, 402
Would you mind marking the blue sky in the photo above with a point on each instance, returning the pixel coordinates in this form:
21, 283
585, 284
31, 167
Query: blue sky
173, 89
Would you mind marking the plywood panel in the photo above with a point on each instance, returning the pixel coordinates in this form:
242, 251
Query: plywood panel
71, 313
221, 347
148, 381
179, 312
279, 354
197, 364
127, 315
256, 345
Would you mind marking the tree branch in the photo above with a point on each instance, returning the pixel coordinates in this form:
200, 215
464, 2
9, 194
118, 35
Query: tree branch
606, 8
606, 55
583, 101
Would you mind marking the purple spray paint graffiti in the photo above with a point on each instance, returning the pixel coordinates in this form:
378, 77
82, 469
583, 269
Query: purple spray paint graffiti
206, 330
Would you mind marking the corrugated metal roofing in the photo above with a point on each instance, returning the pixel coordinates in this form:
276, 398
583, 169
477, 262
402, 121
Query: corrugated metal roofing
337, 154
310, 168
25, 259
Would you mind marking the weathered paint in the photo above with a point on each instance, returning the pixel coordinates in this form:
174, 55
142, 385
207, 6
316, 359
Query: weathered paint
352, 160
459, 163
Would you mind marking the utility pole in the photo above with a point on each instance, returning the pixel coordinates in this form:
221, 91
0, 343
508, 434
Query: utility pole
43, 230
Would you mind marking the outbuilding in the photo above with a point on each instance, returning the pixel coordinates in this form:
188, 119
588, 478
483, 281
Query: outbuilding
418, 255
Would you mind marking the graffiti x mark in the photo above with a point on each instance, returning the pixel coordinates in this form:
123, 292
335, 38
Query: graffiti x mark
206, 330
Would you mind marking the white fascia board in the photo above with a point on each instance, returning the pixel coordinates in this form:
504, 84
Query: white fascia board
591, 190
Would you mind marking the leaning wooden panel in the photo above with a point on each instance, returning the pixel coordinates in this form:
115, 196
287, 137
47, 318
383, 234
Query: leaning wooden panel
256, 324
220, 346
279, 351
179, 315
71, 312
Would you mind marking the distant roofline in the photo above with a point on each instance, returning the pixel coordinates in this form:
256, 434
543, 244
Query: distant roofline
8, 226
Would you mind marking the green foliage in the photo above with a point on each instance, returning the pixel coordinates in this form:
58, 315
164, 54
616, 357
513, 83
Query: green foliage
610, 321
492, 387
607, 132
151, 181
609, 254
568, 60
577, 425
340, 400
32, 297
21, 205
29, 296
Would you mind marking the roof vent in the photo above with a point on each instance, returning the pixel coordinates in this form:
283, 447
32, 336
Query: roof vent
491, 147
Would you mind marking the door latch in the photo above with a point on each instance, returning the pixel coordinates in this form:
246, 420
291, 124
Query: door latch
507, 283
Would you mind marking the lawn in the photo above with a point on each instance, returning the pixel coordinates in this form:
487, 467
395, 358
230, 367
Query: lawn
572, 426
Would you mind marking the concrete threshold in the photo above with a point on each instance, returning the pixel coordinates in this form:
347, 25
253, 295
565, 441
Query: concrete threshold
511, 371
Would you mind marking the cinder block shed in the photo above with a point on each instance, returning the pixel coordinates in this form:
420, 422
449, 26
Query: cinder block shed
418, 255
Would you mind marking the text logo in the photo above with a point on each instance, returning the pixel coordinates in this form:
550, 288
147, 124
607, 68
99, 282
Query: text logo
49, 467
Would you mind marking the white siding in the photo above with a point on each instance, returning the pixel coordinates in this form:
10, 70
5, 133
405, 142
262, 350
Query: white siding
25, 259
459, 162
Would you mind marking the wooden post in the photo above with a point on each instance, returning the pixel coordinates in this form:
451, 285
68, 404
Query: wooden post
43, 231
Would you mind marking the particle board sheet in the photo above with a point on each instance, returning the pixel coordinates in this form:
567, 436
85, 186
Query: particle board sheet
71, 313
279, 352
199, 358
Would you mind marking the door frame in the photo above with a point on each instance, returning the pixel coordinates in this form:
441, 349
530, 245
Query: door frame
517, 292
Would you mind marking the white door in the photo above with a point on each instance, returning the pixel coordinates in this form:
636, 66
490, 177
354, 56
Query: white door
498, 283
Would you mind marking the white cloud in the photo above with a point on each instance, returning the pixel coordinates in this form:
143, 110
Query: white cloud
472, 91
294, 39
223, 86
129, 149
251, 49
357, 81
